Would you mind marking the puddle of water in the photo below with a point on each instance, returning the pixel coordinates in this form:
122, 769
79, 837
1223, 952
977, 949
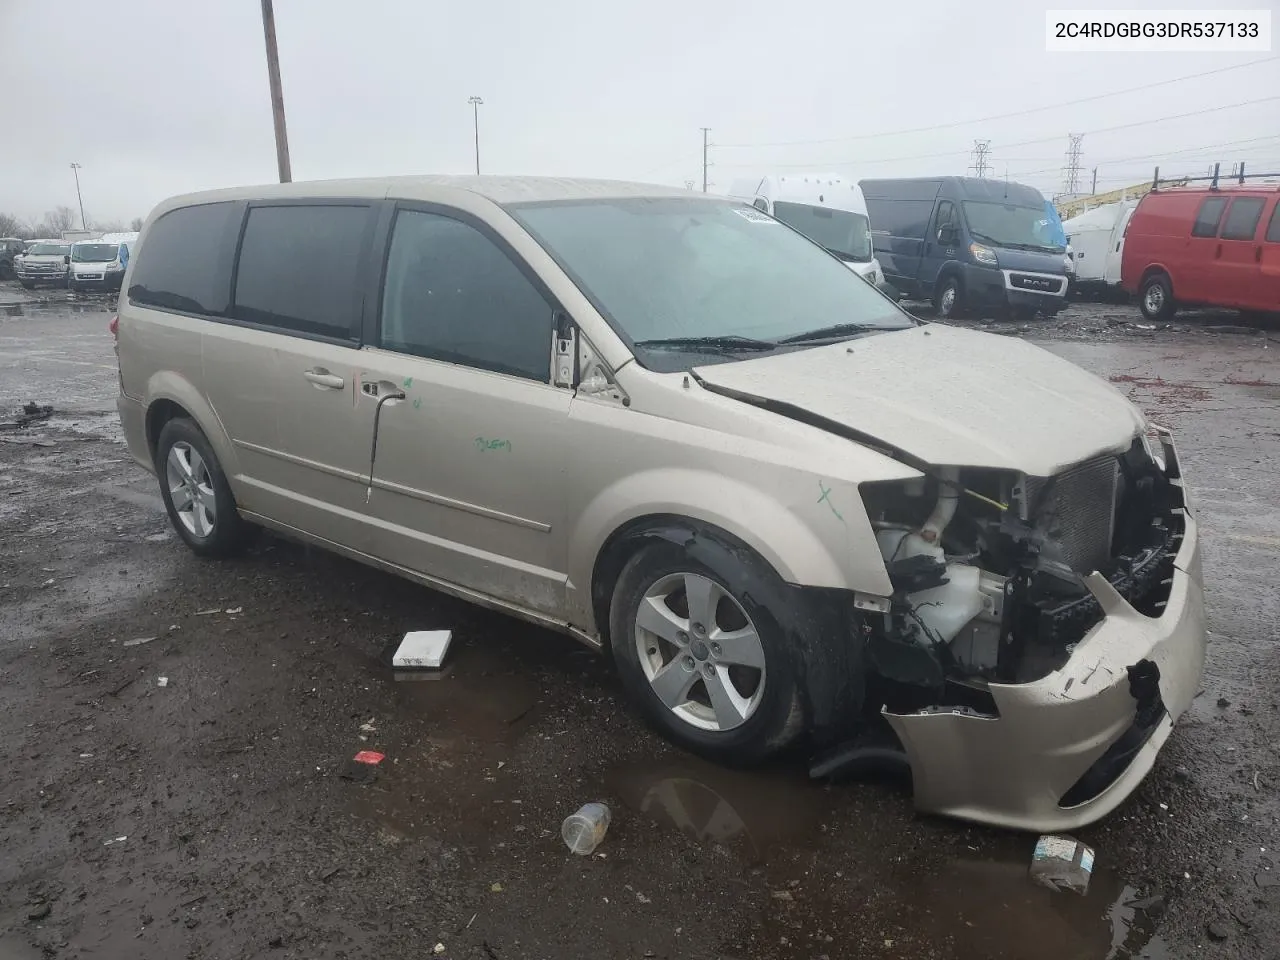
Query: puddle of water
922, 901
476, 696
989, 908
445, 778
753, 813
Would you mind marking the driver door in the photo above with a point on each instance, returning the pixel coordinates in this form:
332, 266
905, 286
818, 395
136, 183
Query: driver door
939, 244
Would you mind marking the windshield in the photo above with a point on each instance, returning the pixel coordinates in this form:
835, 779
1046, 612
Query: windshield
1005, 225
49, 250
1052, 228
94, 252
844, 233
674, 268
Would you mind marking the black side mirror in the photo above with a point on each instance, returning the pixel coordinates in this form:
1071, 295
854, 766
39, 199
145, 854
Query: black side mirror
66, 258
947, 235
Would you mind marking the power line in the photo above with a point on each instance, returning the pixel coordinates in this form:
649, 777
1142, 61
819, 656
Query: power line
1004, 116
1020, 143
1009, 115
1164, 154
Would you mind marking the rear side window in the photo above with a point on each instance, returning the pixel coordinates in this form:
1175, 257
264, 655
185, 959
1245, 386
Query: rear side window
452, 294
900, 218
1242, 218
1206, 224
1273, 228
179, 267
299, 267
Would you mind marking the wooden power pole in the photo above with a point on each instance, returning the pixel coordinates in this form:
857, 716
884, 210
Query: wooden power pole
277, 93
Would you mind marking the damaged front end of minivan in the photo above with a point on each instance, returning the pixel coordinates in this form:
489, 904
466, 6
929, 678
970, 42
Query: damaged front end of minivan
1043, 634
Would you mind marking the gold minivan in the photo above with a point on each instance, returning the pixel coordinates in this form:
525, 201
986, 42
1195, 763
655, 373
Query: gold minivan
673, 427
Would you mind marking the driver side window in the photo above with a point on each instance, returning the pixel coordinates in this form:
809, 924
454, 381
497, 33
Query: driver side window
451, 294
946, 223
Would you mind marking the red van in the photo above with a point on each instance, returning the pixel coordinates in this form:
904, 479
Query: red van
1210, 246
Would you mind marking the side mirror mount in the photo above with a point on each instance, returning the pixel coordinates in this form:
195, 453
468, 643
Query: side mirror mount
564, 360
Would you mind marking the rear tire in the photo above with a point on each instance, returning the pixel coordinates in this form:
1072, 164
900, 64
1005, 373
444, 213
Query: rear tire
948, 299
1155, 298
725, 689
196, 494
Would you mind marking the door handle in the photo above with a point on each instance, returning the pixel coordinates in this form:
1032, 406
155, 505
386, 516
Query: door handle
324, 379
1257, 254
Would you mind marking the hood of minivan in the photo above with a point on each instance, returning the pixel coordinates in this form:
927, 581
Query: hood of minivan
947, 396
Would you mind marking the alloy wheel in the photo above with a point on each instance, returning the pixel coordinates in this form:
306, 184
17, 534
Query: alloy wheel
191, 489
700, 652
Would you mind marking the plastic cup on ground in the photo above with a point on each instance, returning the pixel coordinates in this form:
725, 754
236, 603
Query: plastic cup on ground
583, 831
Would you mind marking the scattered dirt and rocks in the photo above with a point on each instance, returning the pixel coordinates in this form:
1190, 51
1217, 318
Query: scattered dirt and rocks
208, 817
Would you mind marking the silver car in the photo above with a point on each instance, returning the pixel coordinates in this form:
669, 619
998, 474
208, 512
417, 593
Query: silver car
674, 428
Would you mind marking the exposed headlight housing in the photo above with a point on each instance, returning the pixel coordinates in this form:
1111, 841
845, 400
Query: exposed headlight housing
1154, 447
983, 254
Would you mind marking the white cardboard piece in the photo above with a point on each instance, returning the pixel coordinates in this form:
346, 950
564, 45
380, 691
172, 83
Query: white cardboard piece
422, 650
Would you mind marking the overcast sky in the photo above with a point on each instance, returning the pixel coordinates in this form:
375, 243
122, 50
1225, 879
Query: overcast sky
156, 97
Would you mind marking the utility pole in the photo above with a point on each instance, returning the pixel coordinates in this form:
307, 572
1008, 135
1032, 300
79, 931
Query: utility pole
75, 168
277, 92
475, 110
981, 151
1071, 174
705, 131
1094, 188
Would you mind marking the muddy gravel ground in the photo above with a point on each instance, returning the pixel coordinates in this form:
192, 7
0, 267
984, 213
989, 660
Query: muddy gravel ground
175, 733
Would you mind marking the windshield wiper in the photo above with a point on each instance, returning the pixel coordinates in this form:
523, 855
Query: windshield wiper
835, 331
725, 342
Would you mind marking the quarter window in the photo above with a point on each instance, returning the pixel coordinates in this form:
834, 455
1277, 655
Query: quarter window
179, 268
451, 294
1273, 228
1206, 224
1242, 218
299, 268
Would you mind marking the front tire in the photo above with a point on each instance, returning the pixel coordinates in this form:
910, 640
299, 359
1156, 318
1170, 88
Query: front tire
707, 664
196, 494
1155, 299
948, 299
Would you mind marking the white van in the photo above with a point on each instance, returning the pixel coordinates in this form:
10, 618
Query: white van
99, 265
825, 207
1096, 240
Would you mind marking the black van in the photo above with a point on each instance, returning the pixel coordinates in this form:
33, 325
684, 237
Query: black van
968, 244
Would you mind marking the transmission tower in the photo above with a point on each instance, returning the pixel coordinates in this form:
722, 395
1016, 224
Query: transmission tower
1071, 173
981, 154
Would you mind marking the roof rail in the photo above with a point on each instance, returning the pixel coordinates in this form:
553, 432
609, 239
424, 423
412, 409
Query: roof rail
1238, 175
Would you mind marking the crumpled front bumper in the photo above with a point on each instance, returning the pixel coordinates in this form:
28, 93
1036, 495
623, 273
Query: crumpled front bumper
1023, 769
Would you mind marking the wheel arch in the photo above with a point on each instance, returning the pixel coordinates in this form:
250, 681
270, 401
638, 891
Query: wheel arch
637, 533
1153, 270
821, 625
170, 395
